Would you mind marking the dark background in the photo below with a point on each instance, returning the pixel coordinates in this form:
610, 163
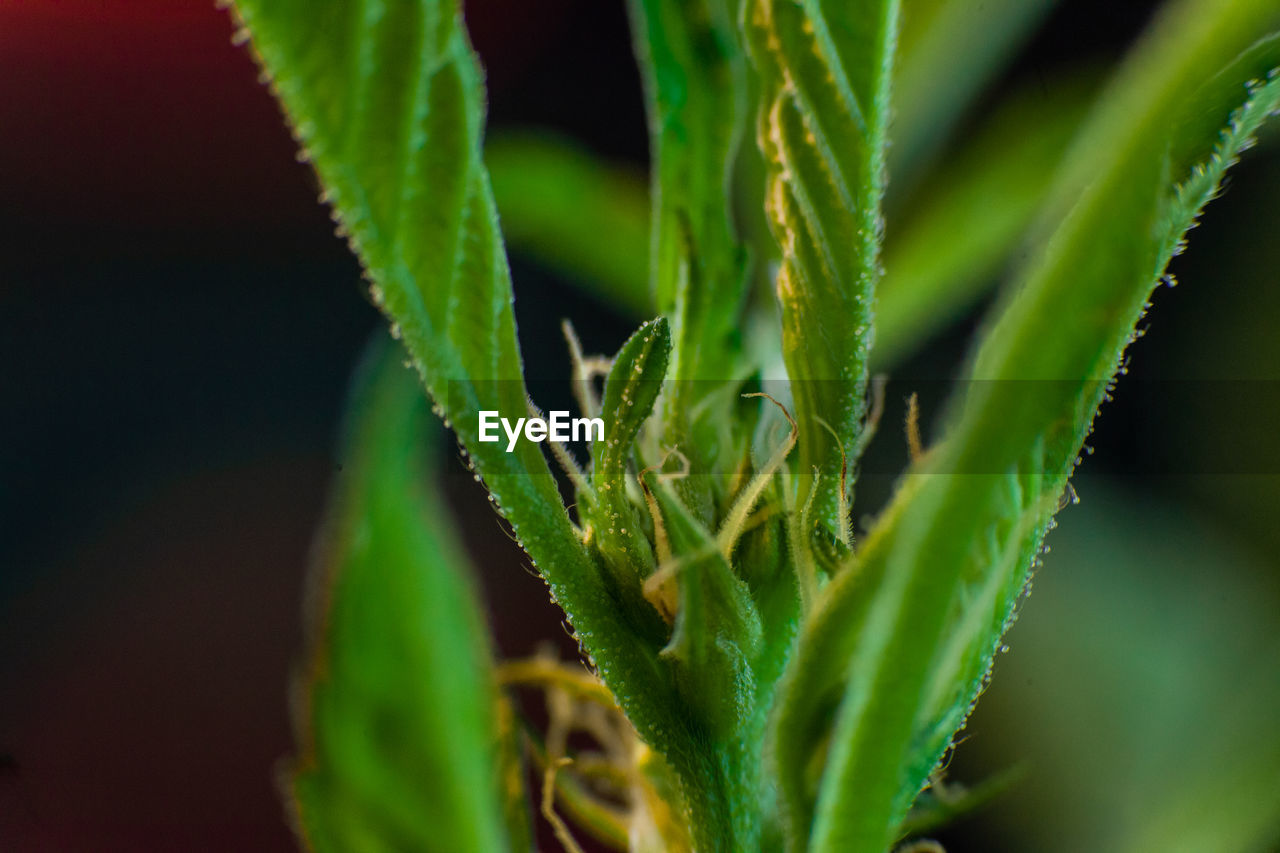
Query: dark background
177, 327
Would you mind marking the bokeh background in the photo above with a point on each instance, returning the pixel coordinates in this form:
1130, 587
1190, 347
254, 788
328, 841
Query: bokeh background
177, 327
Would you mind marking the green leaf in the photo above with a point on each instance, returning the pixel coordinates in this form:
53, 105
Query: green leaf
824, 69
951, 245
950, 50
712, 632
902, 642
630, 391
387, 102
397, 727
714, 647
556, 200
717, 631
693, 72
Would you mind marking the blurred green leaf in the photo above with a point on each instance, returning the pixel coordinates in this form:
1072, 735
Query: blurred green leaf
576, 214
966, 223
824, 70
396, 709
576, 800
516, 803
902, 643
950, 50
1142, 687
